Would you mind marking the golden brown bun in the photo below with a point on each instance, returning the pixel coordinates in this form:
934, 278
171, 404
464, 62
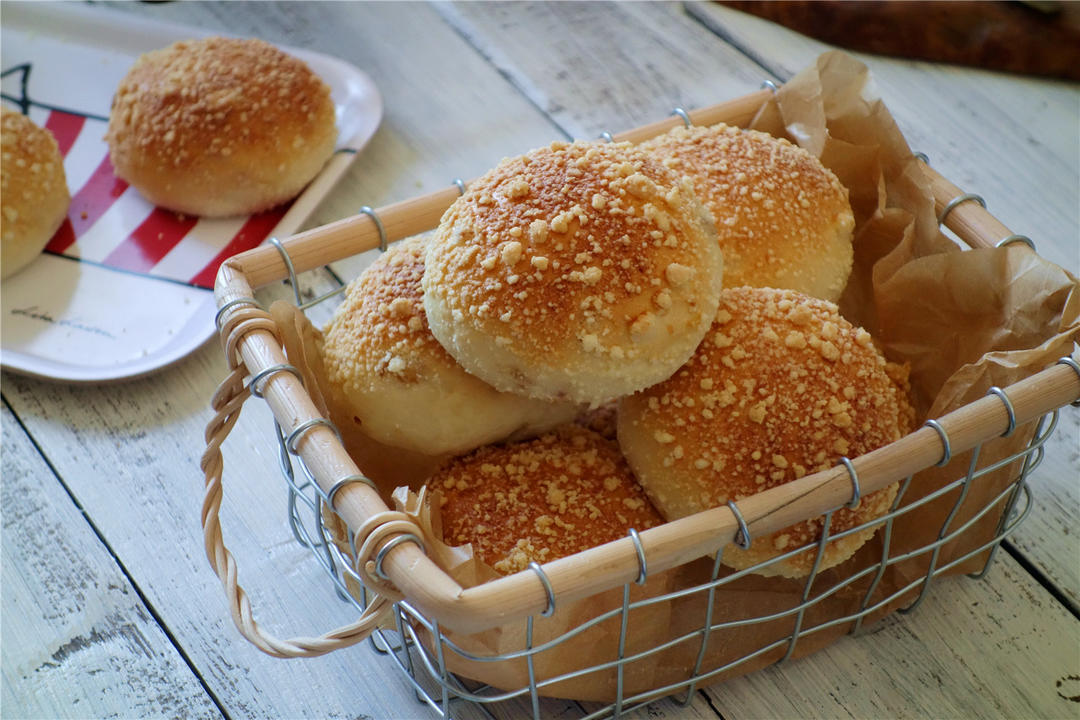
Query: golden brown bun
540, 500
401, 386
782, 218
220, 126
782, 386
583, 271
34, 193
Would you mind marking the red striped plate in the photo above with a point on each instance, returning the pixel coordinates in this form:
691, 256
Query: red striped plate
125, 288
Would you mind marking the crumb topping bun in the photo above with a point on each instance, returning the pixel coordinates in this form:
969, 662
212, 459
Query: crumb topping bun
402, 387
540, 500
782, 218
34, 192
220, 126
581, 271
782, 386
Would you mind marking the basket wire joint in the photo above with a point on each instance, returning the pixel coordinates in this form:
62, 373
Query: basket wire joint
958, 200
947, 446
550, 609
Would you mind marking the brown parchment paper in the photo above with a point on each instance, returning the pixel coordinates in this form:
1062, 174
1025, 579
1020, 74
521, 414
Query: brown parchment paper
964, 320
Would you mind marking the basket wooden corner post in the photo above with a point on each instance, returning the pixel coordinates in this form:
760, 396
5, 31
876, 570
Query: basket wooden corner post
396, 568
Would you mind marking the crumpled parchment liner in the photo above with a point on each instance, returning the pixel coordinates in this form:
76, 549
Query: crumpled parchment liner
964, 320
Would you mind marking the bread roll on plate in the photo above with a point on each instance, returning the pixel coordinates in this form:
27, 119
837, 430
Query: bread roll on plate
540, 500
401, 386
581, 271
220, 126
34, 194
782, 218
782, 386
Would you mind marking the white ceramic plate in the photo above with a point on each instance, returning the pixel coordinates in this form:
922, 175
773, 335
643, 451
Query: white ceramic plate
126, 288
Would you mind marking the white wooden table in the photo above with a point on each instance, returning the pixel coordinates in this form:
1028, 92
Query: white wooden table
109, 607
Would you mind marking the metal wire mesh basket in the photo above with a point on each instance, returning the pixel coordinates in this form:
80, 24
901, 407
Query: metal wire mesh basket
427, 624
424, 653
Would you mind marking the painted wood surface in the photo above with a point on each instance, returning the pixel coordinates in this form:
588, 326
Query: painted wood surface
958, 655
78, 640
465, 85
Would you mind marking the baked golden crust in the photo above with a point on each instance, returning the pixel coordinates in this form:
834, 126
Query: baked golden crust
381, 327
34, 192
782, 218
220, 126
403, 388
579, 270
782, 386
540, 500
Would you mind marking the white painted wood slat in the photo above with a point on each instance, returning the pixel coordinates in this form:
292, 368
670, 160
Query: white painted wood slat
77, 639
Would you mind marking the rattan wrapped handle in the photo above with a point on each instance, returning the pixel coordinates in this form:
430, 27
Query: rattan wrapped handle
227, 402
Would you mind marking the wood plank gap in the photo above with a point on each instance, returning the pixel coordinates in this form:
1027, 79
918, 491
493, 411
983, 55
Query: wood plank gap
454, 21
116, 559
711, 703
706, 22
336, 281
335, 275
1042, 578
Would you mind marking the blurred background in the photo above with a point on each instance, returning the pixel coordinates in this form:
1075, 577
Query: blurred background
1031, 38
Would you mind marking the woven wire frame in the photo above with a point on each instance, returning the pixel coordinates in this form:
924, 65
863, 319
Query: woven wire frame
420, 649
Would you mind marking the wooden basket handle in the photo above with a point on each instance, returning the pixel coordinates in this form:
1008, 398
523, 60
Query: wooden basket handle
227, 402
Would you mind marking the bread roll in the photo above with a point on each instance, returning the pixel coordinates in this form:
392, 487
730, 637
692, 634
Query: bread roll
540, 500
401, 386
220, 126
782, 218
782, 386
580, 271
34, 191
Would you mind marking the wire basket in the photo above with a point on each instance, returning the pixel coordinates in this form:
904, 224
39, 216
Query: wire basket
428, 625
424, 653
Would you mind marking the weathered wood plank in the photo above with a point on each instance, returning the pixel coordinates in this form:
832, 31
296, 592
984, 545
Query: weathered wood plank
1030, 179
69, 612
598, 66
